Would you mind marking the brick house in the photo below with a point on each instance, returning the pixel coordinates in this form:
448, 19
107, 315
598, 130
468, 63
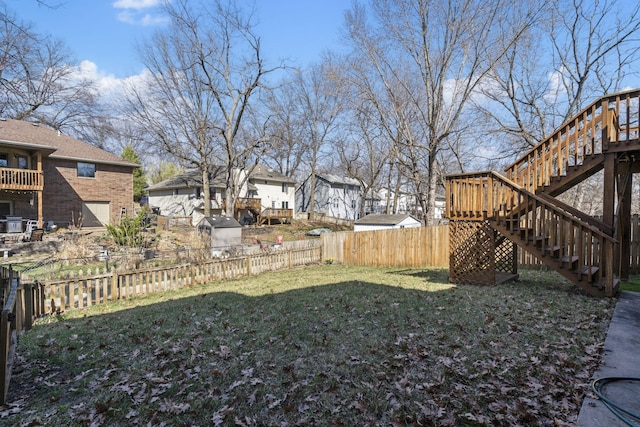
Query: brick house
52, 178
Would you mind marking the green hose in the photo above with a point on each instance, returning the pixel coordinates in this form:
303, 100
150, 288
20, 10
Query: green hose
625, 415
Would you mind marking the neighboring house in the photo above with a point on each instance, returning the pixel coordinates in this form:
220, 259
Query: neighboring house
266, 192
334, 196
373, 202
382, 221
55, 179
182, 195
277, 192
406, 203
392, 202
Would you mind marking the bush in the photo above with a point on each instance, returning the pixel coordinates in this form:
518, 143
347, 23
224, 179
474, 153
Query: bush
130, 231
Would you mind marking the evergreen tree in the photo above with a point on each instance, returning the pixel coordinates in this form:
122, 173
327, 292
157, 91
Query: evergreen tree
139, 176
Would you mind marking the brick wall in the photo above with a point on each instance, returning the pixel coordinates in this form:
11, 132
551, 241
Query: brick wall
64, 190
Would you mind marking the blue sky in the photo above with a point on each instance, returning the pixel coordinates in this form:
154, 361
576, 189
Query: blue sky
104, 32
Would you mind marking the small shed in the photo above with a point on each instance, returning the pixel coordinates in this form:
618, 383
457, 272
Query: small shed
224, 232
382, 221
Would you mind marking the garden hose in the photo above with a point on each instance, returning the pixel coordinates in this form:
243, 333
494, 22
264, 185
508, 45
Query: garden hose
625, 415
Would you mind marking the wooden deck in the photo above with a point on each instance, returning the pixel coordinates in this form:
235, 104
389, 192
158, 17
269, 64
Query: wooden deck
281, 215
521, 204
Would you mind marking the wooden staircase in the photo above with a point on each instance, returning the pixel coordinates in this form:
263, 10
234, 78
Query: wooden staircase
522, 207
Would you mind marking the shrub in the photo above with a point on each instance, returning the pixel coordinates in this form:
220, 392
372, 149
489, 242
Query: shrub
130, 230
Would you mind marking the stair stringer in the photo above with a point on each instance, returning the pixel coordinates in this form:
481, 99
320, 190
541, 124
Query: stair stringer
553, 263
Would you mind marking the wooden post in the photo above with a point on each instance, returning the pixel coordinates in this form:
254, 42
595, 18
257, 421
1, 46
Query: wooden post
623, 252
5, 345
609, 189
29, 312
114, 286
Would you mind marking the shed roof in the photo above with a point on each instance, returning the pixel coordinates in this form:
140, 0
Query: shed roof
219, 222
383, 219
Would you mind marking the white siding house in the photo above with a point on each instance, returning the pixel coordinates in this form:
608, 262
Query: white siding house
382, 221
275, 190
182, 195
334, 196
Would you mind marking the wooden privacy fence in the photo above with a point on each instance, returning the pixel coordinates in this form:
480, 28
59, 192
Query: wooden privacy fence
421, 247
398, 247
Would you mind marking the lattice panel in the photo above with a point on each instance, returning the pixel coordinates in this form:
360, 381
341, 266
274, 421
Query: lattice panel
472, 253
505, 254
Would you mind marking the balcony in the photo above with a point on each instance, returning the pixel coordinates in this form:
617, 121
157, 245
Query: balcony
254, 205
21, 179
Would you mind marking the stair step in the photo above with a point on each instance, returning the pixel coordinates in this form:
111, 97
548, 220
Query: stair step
572, 260
552, 250
585, 270
602, 284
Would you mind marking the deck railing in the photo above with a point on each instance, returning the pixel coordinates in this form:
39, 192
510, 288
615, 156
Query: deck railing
490, 196
604, 125
277, 213
246, 203
21, 179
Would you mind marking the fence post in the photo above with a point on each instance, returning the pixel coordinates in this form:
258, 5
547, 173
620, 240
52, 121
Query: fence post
114, 286
5, 345
248, 265
28, 306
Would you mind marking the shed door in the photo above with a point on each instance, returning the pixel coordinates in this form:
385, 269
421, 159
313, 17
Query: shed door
95, 214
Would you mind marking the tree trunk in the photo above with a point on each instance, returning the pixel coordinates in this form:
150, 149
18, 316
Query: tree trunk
206, 189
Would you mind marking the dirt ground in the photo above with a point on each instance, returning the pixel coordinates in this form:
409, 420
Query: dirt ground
289, 232
88, 243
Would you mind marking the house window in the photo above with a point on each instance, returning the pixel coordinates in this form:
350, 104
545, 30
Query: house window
273, 204
87, 170
175, 191
4, 160
212, 194
22, 162
285, 187
198, 193
285, 205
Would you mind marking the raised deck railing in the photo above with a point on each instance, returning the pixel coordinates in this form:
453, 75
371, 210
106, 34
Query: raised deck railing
575, 245
21, 179
608, 124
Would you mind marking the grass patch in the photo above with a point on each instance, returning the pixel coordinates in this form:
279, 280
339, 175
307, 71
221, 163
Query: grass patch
327, 345
632, 285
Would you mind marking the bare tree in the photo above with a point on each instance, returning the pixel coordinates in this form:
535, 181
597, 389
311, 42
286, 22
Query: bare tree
318, 107
365, 153
205, 72
286, 131
436, 54
39, 81
578, 51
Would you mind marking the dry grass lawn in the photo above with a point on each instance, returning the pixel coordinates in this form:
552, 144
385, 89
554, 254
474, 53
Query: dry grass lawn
326, 345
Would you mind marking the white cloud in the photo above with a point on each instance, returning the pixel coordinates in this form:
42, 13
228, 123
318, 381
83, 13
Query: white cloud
108, 87
131, 12
137, 4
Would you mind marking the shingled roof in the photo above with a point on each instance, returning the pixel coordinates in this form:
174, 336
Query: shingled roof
263, 172
29, 135
192, 179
